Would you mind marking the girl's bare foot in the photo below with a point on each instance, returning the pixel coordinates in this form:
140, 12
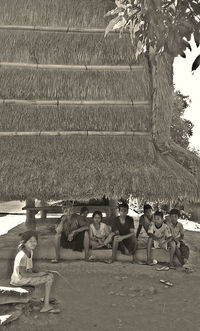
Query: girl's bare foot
46, 308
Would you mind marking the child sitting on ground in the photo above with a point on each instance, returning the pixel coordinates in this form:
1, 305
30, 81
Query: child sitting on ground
100, 233
182, 251
160, 237
23, 274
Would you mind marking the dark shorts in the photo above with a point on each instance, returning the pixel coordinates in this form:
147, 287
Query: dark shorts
130, 244
185, 251
76, 244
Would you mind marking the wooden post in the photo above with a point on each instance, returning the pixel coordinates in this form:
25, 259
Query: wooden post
43, 213
112, 210
30, 215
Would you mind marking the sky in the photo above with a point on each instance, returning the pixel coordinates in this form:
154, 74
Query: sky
189, 84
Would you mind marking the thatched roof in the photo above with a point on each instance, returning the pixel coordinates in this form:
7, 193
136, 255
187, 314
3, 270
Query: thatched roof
78, 117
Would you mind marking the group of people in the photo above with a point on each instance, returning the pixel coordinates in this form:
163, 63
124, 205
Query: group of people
76, 232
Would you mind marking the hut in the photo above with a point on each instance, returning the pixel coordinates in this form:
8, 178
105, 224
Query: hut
80, 116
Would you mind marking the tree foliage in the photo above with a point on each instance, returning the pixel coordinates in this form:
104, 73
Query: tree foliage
158, 25
181, 129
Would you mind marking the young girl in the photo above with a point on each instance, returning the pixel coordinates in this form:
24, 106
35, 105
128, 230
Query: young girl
23, 269
100, 233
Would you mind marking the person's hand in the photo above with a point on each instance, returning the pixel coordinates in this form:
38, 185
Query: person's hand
71, 236
118, 239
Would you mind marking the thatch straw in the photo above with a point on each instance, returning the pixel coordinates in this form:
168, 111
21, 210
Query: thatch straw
89, 13
53, 48
92, 85
21, 117
77, 169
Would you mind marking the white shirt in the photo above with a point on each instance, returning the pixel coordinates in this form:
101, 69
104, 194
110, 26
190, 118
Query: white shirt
21, 260
101, 233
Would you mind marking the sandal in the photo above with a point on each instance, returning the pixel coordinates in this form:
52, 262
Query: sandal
92, 258
52, 310
54, 261
109, 261
52, 300
165, 282
164, 268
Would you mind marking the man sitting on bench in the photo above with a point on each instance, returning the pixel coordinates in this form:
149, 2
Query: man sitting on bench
72, 232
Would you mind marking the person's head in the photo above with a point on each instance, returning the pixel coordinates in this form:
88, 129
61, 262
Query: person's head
158, 218
123, 209
67, 208
174, 216
148, 210
84, 211
97, 217
29, 240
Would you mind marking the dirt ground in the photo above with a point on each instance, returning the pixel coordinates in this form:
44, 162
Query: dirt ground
122, 296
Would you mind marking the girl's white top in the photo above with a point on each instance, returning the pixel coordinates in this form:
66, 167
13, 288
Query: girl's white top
21, 260
101, 233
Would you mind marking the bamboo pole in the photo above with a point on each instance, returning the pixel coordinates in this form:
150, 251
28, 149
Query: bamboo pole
73, 133
55, 29
75, 102
72, 67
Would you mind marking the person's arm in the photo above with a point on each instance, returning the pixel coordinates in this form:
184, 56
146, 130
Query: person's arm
122, 237
109, 235
181, 234
81, 229
91, 234
168, 236
139, 230
60, 226
29, 273
151, 232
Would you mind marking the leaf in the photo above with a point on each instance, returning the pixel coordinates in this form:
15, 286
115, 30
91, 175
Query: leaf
196, 63
112, 12
186, 45
120, 4
111, 25
182, 54
139, 49
197, 37
120, 24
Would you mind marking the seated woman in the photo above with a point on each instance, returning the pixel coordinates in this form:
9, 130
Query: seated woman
100, 233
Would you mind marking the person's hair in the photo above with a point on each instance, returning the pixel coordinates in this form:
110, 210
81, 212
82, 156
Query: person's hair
174, 212
147, 207
158, 213
83, 210
97, 212
123, 205
25, 236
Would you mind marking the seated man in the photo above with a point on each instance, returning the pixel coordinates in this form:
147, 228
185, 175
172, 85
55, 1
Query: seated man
177, 230
123, 232
145, 220
161, 237
72, 232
